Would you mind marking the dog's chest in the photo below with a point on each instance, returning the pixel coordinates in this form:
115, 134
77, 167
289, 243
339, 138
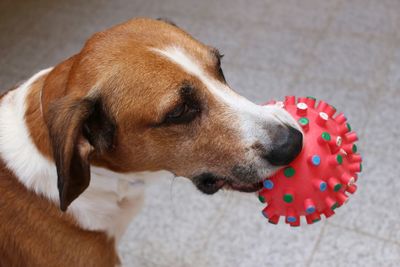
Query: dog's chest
109, 203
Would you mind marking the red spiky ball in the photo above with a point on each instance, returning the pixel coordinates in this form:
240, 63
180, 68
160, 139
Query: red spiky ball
320, 178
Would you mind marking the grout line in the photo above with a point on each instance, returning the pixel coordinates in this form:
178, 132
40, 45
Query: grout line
387, 240
316, 245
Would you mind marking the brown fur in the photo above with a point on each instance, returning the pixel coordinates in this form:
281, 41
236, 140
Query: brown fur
35, 233
136, 88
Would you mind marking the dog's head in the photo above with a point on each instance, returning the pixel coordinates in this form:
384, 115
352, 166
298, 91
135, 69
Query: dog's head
146, 96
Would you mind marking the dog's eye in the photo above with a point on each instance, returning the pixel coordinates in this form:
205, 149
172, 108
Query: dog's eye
178, 111
183, 113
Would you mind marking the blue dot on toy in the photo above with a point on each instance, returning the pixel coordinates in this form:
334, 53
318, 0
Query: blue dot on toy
268, 184
323, 186
315, 160
265, 214
310, 210
291, 219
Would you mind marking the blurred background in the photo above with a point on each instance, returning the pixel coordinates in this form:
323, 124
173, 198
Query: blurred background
345, 52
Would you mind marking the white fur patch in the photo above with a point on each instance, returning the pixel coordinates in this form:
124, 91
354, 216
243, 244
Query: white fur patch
244, 107
111, 198
17, 148
252, 119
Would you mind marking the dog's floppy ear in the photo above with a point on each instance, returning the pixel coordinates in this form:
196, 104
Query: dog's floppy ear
77, 129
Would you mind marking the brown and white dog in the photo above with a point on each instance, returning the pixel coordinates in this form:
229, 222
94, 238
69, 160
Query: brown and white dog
143, 99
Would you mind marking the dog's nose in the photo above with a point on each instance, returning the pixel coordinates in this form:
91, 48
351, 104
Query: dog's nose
287, 143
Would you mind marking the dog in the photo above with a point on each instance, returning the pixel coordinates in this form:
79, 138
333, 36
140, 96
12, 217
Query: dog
79, 141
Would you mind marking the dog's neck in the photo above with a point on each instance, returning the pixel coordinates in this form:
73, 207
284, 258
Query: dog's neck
109, 202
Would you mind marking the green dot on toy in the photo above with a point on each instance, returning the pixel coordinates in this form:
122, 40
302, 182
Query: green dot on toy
335, 206
348, 126
289, 172
337, 187
326, 136
288, 198
354, 148
339, 159
303, 121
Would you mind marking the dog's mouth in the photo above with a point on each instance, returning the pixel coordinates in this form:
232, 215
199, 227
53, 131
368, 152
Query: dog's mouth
209, 183
245, 187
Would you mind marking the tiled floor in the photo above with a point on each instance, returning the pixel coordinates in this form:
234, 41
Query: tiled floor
347, 52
